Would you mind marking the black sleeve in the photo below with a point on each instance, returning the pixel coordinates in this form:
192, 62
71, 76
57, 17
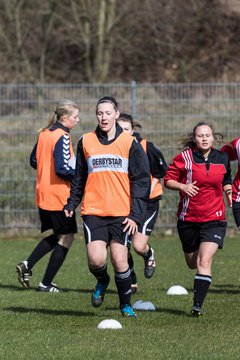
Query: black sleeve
140, 183
79, 181
227, 177
33, 157
62, 155
157, 163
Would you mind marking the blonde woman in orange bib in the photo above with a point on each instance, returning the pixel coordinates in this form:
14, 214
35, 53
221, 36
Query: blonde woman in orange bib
54, 161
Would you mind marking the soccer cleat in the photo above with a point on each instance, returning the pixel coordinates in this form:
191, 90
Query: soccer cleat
150, 265
50, 288
98, 294
196, 312
127, 311
23, 275
134, 288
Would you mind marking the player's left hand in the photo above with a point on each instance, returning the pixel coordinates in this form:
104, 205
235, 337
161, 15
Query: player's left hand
229, 197
130, 226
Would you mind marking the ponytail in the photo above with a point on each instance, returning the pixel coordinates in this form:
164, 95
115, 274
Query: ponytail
64, 107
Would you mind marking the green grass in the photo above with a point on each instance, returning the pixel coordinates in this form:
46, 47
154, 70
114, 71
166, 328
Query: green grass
64, 326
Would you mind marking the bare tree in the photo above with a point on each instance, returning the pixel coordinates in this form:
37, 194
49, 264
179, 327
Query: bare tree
90, 25
117, 40
25, 32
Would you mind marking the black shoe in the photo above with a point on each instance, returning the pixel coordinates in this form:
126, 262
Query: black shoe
196, 312
23, 275
150, 265
50, 288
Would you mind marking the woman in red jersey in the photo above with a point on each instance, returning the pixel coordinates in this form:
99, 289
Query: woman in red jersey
158, 167
200, 173
112, 177
233, 151
54, 160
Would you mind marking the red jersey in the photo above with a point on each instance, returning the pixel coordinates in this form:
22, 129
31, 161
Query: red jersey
233, 151
210, 176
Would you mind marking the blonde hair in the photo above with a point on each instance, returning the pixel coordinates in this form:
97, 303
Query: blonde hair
64, 107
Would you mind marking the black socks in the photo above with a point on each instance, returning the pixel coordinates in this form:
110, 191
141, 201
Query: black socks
101, 274
55, 262
123, 282
131, 265
201, 286
43, 247
149, 253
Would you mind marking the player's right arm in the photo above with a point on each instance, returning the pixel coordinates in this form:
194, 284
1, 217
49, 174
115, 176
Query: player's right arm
175, 178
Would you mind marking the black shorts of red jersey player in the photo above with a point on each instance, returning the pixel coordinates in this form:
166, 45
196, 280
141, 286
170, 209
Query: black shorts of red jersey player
192, 234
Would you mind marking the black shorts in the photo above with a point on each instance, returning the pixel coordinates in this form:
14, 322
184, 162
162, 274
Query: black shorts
58, 222
150, 218
236, 212
193, 233
105, 228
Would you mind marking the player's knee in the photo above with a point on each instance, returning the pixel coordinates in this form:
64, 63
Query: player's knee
140, 248
96, 262
191, 261
66, 240
204, 262
119, 263
96, 254
192, 265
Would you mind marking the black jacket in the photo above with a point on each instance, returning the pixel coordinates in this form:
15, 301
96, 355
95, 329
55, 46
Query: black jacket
157, 162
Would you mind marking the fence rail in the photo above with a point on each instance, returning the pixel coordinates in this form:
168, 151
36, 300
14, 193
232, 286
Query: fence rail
166, 111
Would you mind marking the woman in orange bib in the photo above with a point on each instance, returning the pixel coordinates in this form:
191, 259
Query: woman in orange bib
158, 167
112, 177
54, 161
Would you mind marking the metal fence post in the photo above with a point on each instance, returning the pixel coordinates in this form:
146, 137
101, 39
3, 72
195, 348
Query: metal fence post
134, 99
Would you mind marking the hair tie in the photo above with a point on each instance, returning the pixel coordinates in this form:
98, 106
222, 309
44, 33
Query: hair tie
101, 101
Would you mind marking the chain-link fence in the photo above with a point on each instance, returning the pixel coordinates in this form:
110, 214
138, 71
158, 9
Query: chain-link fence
165, 111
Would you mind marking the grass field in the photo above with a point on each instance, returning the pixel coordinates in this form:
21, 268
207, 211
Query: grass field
64, 326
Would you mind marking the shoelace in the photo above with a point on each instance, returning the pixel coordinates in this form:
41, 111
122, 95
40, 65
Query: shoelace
54, 289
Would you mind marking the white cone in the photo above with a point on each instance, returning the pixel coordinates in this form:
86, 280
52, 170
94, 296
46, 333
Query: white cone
144, 305
109, 324
177, 290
